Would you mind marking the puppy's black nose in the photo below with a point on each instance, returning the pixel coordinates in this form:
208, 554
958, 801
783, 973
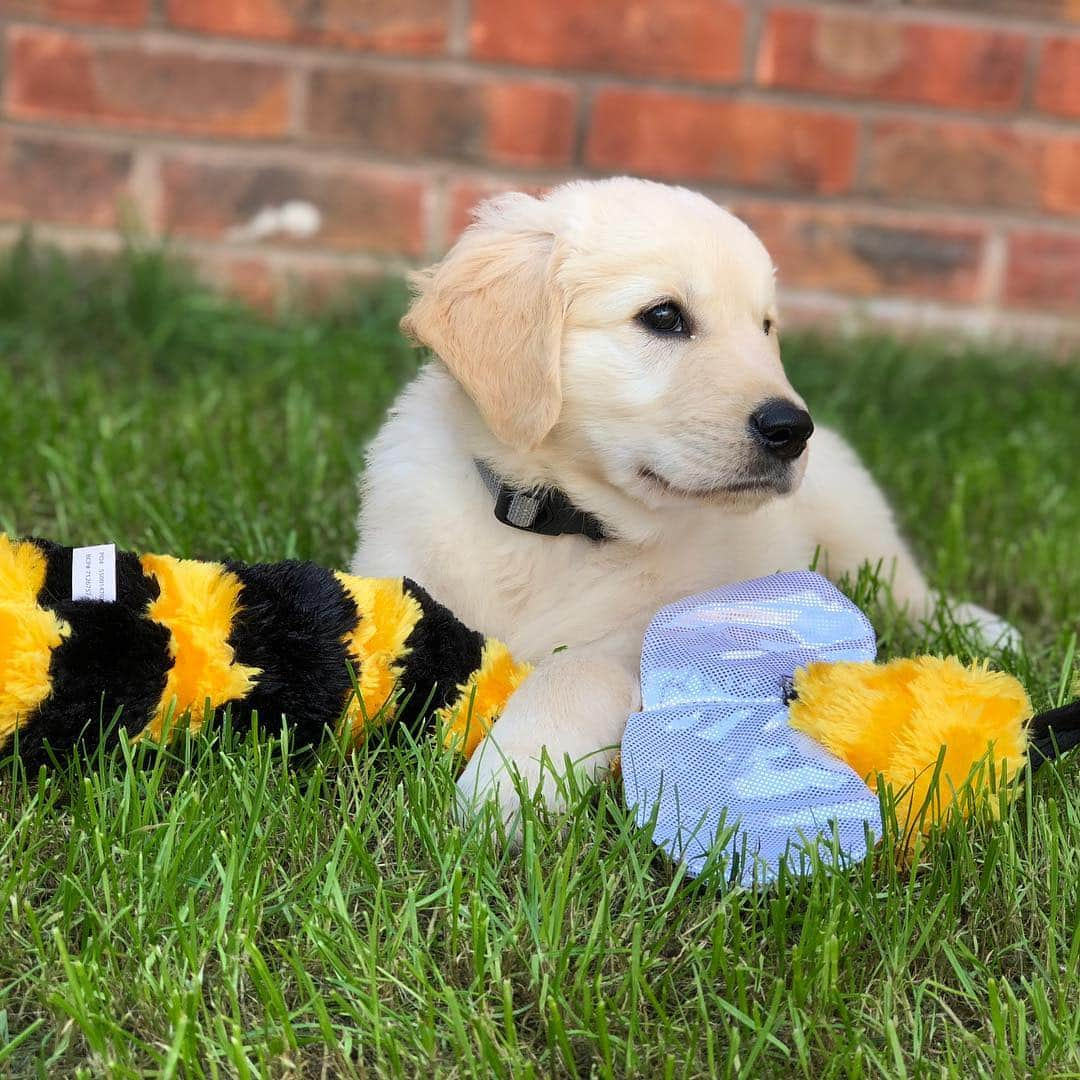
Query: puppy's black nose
782, 428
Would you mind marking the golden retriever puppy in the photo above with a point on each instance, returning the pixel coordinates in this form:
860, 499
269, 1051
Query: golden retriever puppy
608, 380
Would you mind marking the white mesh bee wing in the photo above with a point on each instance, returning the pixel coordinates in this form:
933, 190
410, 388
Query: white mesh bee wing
712, 755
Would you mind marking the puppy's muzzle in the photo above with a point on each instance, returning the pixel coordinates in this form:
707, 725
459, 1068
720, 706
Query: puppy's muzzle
781, 428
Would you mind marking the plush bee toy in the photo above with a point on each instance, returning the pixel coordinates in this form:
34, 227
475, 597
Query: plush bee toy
91, 634
95, 641
768, 730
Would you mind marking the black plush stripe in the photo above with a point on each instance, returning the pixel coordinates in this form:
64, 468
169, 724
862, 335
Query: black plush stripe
1054, 732
443, 652
293, 619
113, 658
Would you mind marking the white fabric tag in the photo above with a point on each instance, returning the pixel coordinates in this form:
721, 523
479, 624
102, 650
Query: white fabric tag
93, 573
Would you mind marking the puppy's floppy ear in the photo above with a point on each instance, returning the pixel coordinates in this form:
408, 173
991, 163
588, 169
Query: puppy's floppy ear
493, 312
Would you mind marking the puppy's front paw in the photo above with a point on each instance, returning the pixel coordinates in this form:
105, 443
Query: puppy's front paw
993, 629
495, 776
562, 724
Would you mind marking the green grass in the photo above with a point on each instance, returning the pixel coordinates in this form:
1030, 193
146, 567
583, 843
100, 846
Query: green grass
221, 910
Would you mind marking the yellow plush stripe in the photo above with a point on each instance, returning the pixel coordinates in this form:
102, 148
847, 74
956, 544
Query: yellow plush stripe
28, 634
198, 602
896, 719
481, 698
376, 645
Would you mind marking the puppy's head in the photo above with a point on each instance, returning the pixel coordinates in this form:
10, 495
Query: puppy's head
625, 324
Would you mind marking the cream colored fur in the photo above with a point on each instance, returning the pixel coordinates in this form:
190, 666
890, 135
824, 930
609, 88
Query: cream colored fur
545, 372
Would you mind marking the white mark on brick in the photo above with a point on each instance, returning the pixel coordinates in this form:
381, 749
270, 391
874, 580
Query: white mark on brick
295, 219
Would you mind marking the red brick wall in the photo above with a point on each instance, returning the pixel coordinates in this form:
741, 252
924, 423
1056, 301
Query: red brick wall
918, 160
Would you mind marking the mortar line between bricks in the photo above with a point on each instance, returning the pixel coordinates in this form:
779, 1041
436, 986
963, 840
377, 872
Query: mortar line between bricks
146, 188
1006, 316
315, 157
752, 34
583, 107
937, 315
435, 208
316, 258
915, 303
65, 236
862, 165
296, 119
457, 36
990, 293
1031, 75
307, 57
229, 150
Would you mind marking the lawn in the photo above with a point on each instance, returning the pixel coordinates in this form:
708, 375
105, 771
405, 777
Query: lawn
224, 910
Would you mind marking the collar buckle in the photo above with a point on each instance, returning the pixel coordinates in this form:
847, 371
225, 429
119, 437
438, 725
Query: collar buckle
544, 511
520, 510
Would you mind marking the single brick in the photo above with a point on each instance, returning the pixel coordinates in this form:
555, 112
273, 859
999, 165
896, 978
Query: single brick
861, 254
529, 125
390, 26
101, 12
1061, 174
407, 115
1058, 87
691, 40
1043, 271
684, 137
51, 179
964, 164
868, 56
59, 76
354, 207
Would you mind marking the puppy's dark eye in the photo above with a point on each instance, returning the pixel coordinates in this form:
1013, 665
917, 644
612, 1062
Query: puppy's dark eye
767, 326
665, 318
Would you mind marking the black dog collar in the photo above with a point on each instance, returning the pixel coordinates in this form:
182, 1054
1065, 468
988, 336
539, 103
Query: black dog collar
547, 511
